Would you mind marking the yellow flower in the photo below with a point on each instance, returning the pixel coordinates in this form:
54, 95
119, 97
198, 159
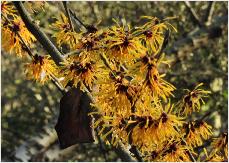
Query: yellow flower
197, 131
153, 32
41, 69
168, 122
8, 9
146, 70
10, 37
221, 144
215, 158
115, 95
122, 46
91, 41
192, 101
117, 126
79, 69
175, 153
150, 131
171, 150
64, 34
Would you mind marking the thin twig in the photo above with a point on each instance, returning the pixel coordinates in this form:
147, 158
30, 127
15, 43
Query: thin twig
207, 115
129, 129
133, 149
164, 44
102, 149
75, 52
68, 15
189, 153
209, 12
75, 17
136, 153
193, 14
78, 51
105, 61
58, 85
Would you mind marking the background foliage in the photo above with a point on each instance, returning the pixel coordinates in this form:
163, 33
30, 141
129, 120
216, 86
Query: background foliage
30, 110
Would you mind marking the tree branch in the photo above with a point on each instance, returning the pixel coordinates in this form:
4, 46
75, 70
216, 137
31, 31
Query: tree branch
68, 14
58, 85
75, 17
40, 155
136, 153
193, 14
40, 35
123, 154
209, 13
101, 147
57, 57
199, 37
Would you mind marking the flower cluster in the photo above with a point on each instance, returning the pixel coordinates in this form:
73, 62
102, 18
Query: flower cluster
196, 132
8, 9
40, 69
64, 34
79, 70
14, 33
191, 102
16, 39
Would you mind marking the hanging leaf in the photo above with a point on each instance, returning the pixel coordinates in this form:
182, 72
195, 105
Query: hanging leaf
74, 124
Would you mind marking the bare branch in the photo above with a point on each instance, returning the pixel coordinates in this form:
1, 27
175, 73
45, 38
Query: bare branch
75, 17
39, 35
209, 12
68, 14
123, 154
193, 14
199, 37
57, 84
207, 115
101, 145
136, 153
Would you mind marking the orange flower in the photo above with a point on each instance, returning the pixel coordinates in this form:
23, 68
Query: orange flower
152, 32
11, 41
8, 9
40, 69
197, 132
221, 144
146, 70
79, 70
64, 34
122, 46
192, 101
